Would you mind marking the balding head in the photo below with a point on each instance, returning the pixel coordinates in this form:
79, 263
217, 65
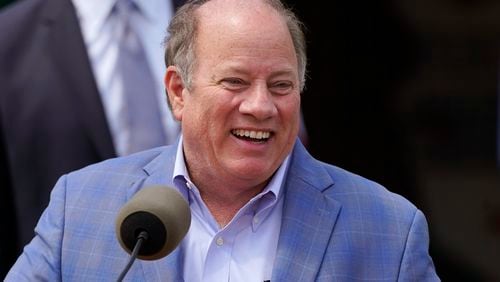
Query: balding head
183, 30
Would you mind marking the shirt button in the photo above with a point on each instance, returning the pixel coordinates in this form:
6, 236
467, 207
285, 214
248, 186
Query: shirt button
256, 220
219, 241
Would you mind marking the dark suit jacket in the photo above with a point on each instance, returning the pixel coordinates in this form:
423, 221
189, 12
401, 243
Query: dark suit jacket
51, 117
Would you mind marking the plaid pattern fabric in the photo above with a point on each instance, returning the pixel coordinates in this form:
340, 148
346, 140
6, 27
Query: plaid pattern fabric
336, 226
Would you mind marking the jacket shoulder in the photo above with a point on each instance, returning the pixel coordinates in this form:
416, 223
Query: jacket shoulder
358, 193
131, 165
18, 18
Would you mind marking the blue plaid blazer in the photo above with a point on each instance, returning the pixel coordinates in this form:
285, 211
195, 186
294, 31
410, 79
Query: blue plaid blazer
336, 226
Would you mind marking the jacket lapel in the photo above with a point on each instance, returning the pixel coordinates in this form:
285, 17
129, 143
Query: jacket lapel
159, 172
308, 219
67, 50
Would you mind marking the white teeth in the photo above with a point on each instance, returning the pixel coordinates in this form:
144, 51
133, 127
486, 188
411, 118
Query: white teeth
252, 134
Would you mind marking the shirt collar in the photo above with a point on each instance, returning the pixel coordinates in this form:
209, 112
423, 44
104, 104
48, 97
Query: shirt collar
93, 14
152, 9
180, 175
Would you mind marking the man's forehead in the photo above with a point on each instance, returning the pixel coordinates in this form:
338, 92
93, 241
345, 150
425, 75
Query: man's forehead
216, 18
220, 9
224, 5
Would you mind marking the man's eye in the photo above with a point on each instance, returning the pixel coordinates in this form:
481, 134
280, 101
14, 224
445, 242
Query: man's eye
282, 87
233, 83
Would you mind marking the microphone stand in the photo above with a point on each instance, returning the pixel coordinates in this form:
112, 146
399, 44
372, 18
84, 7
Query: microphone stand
143, 236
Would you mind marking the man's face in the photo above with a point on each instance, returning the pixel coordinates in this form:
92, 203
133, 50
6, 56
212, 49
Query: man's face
241, 117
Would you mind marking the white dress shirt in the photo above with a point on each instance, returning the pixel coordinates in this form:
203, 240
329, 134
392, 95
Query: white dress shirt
245, 249
103, 53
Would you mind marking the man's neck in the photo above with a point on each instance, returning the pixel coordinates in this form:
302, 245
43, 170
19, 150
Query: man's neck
224, 203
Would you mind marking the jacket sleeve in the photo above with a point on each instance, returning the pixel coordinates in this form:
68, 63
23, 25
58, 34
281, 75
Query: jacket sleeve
416, 264
41, 258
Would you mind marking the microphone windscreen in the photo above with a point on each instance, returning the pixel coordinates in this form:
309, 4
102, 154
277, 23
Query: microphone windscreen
162, 212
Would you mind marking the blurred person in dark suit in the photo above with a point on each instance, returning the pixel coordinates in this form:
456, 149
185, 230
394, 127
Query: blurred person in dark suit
62, 102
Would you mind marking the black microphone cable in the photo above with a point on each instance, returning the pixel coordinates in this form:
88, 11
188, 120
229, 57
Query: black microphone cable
143, 236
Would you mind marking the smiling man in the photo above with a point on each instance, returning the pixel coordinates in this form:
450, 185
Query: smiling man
262, 207
240, 113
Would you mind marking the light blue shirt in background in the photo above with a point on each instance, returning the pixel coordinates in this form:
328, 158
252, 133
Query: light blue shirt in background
103, 50
243, 250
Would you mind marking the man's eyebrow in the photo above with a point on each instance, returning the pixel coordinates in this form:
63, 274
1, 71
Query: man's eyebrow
235, 69
283, 72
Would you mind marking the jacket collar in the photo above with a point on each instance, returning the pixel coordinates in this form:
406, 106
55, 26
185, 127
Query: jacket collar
309, 217
159, 172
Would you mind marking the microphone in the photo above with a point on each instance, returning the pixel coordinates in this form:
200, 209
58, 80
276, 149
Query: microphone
152, 223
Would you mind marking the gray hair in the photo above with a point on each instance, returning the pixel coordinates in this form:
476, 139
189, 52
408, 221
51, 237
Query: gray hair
180, 43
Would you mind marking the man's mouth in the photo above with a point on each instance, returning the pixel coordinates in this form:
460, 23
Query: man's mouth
252, 135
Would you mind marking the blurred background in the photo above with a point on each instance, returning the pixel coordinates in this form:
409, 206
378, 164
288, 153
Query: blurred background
407, 93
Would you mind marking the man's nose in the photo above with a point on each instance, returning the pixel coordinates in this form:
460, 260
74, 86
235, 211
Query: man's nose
258, 102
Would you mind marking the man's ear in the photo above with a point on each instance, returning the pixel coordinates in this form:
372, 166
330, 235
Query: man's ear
175, 90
